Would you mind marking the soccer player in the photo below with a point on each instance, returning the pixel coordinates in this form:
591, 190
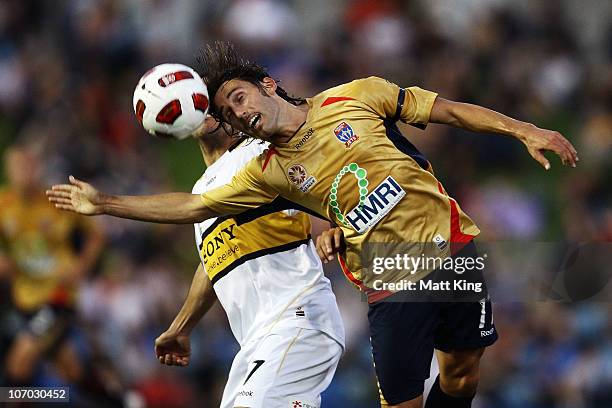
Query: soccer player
341, 155
262, 267
44, 256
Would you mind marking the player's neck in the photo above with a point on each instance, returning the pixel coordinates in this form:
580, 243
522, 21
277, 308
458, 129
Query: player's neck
212, 148
293, 118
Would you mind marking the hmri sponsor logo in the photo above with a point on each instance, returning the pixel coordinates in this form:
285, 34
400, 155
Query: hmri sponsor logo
377, 204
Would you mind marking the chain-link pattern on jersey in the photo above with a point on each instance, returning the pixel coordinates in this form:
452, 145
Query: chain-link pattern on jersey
362, 183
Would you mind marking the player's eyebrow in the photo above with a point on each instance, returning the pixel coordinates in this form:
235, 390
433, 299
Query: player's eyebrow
231, 92
223, 108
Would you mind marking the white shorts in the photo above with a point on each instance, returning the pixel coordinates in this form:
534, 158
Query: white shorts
288, 368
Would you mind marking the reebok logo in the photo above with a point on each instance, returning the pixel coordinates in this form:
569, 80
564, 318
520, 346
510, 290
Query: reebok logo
304, 139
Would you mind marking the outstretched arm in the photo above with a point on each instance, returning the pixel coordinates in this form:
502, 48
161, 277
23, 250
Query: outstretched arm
479, 119
173, 208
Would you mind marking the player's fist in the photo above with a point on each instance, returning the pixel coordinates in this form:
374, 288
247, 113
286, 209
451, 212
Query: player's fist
539, 140
173, 349
329, 243
78, 196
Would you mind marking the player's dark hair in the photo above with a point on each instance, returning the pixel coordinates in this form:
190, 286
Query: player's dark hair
220, 62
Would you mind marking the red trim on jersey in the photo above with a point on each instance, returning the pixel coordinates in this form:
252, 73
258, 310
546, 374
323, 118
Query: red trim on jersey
348, 273
372, 294
334, 99
377, 295
271, 152
457, 239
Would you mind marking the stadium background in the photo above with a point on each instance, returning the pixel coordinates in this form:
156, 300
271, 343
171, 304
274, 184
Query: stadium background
67, 72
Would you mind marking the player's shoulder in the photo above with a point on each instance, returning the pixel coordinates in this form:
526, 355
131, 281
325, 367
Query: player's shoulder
252, 154
240, 155
237, 158
265, 159
255, 160
355, 89
198, 187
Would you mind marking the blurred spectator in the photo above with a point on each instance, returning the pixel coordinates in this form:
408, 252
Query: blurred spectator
44, 255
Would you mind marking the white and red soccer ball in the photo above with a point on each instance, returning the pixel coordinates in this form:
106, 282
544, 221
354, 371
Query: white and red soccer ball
171, 100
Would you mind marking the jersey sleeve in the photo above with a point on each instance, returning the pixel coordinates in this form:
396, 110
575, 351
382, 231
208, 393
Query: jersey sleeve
246, 191
410, 105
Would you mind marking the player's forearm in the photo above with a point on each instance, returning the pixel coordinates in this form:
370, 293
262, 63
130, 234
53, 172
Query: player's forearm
477, 119
199, 300
172, 208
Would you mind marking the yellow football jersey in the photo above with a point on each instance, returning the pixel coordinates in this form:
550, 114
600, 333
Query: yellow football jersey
349, 163
39, 240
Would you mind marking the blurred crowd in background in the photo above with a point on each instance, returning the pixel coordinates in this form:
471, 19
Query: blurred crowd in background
67, 72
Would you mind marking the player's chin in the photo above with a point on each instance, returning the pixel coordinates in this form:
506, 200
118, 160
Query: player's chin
265, 134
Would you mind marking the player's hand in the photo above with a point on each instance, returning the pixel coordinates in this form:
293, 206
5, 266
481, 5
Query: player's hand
78, 196
329, 243
540, 140
173, 349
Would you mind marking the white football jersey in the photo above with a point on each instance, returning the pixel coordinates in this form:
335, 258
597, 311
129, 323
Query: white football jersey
263, 264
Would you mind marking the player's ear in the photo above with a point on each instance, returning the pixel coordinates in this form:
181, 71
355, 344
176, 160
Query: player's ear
269, 85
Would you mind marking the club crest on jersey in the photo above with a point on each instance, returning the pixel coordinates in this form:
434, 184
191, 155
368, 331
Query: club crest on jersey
344, 133
299, 176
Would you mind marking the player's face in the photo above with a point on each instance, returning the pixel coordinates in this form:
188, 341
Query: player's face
248, 108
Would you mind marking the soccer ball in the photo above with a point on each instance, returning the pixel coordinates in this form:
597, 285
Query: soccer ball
171, 101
